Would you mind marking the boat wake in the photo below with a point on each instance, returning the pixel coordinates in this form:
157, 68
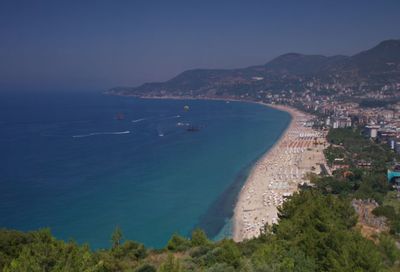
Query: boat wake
138, 120
171, 117
101, 133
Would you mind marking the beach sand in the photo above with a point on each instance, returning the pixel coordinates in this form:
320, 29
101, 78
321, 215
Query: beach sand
277, 175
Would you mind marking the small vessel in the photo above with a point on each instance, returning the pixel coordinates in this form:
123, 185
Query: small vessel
181, 124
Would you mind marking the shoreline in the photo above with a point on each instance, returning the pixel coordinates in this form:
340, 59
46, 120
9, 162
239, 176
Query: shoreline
264, 189
188, 98
269, 183
236, 228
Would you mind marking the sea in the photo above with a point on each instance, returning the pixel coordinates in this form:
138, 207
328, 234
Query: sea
83, 163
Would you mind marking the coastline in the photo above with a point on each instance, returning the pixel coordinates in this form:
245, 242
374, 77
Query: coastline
265, 188
276, 175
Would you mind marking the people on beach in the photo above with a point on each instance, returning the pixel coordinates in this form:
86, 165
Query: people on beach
277, 175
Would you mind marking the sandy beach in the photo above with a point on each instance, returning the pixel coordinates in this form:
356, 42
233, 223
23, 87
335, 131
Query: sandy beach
277, 175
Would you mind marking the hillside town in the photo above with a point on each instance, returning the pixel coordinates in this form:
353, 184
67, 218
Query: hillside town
376, 113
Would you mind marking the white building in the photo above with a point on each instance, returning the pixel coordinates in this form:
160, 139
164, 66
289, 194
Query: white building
373, 131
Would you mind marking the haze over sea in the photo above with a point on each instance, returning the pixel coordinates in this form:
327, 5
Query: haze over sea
68, 164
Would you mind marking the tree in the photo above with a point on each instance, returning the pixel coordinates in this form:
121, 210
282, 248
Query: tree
229, 253
178, 243
322, 227
45, 253
116, 237
170, 265
387, 246
199, 238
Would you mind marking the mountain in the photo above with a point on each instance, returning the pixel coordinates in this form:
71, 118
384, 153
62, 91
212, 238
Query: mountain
385, 56
379, 65
300, 64
375, 67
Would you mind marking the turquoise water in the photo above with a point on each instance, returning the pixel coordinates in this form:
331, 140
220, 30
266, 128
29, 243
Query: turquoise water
67, 163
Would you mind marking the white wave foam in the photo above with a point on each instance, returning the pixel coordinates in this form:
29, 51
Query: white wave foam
101, 133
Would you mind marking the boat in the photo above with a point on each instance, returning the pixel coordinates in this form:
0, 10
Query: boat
181, 124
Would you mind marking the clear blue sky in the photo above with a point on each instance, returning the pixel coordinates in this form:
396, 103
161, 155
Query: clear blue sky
87, 45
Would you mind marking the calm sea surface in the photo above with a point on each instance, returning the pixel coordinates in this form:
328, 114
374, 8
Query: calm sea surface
68, 163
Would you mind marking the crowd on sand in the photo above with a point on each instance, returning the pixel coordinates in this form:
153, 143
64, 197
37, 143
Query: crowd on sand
277, 175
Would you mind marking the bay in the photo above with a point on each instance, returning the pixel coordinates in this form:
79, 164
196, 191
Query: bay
82, 163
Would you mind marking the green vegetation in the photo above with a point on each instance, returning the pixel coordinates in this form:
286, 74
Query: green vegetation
350, 144
390, 213
391, 199
39, 251
356, 181
116, 237
317, 231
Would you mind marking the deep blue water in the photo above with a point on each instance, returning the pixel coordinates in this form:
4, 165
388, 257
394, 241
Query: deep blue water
67, 163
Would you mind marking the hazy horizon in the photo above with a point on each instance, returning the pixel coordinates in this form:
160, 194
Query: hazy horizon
60, 45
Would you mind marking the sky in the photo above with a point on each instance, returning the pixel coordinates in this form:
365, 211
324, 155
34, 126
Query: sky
96, 45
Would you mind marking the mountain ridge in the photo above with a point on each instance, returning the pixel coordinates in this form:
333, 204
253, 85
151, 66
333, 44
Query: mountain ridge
373, 67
